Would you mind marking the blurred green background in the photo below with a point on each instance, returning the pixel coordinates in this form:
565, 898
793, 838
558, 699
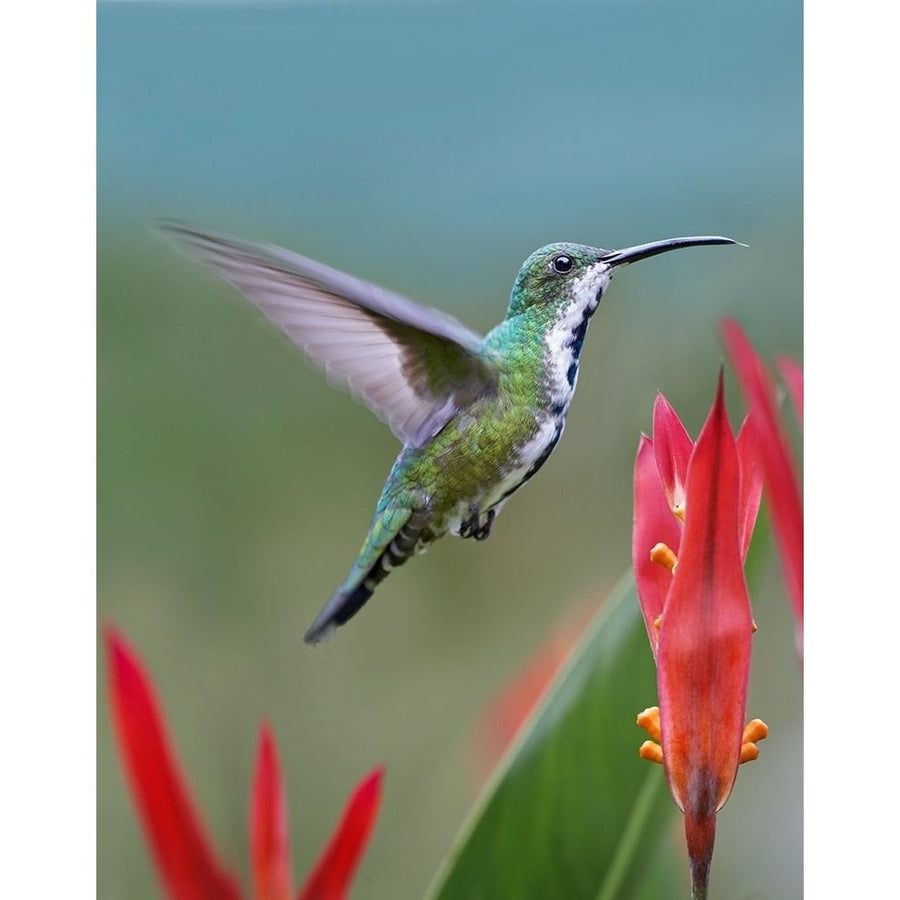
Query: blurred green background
428, 147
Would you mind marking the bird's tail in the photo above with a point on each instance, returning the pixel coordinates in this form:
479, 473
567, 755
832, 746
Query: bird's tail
392, 539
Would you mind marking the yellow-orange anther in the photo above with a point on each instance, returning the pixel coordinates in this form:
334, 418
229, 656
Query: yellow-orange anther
652, 751
749, 752
664, 556
649, 721
755, 730
657, 622
755, 629
678, 510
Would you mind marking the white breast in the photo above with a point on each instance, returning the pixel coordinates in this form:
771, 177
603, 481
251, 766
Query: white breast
563, 342
565, 338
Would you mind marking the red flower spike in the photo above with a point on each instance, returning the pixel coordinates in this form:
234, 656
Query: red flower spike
672, 446
793, 378
331, 877
184, 858
782, 483
703, 655
270, 848
653, 523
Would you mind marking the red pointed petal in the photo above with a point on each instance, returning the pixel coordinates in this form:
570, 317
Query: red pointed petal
673, 447
751, 482
793, 378
704, 645
184, 858
653, 523
782, 483
330, 880
270, 847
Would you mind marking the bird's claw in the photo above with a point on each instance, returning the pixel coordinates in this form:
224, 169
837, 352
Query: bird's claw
473, 527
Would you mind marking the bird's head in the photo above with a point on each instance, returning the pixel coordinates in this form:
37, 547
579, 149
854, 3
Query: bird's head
559, 274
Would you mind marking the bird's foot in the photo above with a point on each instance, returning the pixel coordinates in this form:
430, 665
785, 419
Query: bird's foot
484, 530
473, 527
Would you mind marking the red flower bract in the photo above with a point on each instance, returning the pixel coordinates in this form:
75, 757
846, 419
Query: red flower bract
782, 482
184, 858
186, 863
270, 843
654, 523
332, 873
694, 600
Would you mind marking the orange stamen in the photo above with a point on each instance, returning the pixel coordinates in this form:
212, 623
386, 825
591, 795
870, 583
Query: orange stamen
652, 751
754, 731
663, 555
649, 721
749, 752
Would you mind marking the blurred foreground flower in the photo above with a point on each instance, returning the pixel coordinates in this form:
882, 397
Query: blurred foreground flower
695, 506
187, 865
500, 722
782, 481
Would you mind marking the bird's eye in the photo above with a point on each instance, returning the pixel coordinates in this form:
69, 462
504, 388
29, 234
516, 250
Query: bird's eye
562, 264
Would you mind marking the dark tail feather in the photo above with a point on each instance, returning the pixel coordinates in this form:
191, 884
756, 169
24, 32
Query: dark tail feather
346, 603
339, 609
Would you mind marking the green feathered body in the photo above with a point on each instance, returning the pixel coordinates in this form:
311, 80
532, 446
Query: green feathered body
459, 480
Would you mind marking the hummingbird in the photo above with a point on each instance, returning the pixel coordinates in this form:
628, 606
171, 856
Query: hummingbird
477, 416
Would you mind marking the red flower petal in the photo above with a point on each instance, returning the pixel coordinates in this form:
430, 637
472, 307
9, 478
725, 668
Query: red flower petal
703, 656
793, 378
653, 523
270, 847
330, 880
184, 858
751, 482
673, 446
782, 483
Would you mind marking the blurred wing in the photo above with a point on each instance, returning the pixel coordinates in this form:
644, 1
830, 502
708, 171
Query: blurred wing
413, 367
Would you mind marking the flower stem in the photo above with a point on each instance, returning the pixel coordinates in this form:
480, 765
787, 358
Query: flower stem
700, 831
699, 882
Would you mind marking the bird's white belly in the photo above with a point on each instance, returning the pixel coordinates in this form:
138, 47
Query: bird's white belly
529, 458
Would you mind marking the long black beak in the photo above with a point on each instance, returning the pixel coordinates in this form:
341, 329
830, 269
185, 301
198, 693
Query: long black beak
645, 251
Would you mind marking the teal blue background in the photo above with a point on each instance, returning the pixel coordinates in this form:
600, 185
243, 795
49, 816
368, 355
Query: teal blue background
428, 147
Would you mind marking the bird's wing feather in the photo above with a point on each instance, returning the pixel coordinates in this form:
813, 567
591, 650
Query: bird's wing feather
413, 367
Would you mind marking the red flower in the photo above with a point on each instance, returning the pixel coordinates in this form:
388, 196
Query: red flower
187, 865
695, 507
782, 482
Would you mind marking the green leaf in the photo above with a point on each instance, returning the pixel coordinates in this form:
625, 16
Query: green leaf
572, 811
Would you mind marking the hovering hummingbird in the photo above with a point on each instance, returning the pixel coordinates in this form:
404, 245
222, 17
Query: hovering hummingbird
477, 416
